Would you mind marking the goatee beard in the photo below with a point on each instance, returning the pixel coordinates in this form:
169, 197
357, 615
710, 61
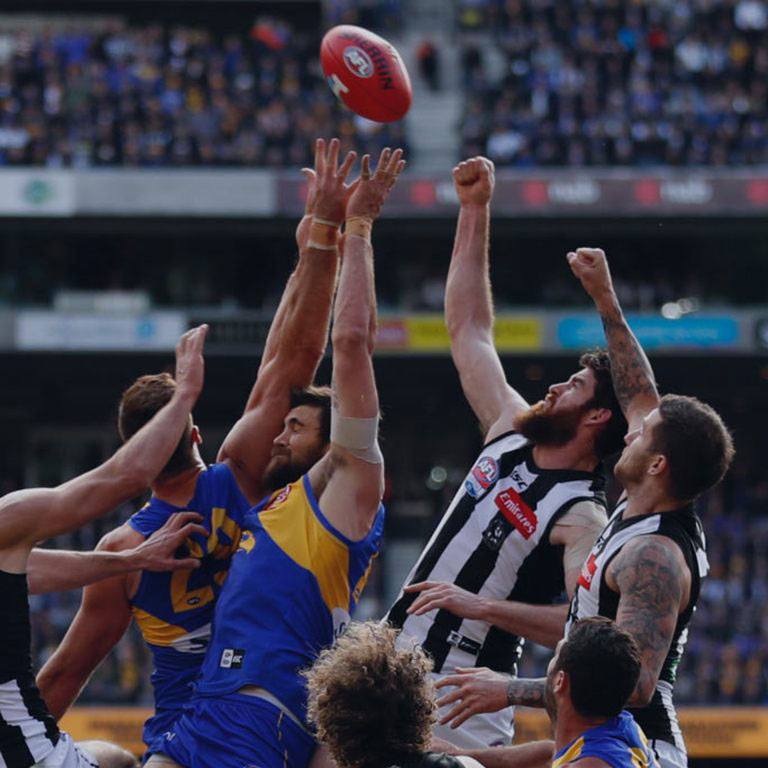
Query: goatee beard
282, 475
543, 428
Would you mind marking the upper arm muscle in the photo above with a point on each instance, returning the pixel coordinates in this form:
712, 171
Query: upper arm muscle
484, 382
578, 530
654, 584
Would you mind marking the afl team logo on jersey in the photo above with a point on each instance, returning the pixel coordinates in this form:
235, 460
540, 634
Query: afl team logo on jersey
280, 498
483, 475
358, 61
517, 512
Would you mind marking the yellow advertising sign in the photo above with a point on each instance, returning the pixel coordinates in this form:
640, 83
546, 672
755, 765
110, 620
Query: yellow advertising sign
427, 333
709, 731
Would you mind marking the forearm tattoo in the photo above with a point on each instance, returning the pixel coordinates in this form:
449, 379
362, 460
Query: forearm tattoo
526, 693
630, 370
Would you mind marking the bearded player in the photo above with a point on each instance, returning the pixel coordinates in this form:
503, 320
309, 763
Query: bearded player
174, 612
305, 551
531, 507
646, 568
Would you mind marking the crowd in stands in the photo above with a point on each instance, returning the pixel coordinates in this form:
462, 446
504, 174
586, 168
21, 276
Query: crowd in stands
110, 94
602, 82
726, 661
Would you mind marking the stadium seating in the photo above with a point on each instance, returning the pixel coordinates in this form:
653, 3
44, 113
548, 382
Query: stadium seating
607, 83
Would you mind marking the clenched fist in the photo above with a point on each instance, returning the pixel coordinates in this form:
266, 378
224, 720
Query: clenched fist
474, 181
591, 267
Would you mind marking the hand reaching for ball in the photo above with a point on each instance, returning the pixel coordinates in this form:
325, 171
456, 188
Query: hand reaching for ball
474, 180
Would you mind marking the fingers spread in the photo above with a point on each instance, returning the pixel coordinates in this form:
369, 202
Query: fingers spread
346, 167
320, 156
333, 154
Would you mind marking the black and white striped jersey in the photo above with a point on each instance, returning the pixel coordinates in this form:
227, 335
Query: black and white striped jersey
593, 597
28, 732
494, 541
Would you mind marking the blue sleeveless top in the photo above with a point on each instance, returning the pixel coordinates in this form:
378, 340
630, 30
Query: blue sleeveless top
620, 742
174, 611
292, 588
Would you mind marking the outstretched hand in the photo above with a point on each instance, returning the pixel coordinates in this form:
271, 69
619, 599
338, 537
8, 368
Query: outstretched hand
436, 595
474, 180
476, 690
372, 190
327, 191
190, 366
158, 552
591, 267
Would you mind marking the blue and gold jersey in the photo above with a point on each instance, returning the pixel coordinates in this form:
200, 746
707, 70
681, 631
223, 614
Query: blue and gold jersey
292, 588
174, 610
620, 742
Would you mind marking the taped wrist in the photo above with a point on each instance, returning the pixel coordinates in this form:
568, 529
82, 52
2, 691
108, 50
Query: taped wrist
323, 235
360, 226
359, 436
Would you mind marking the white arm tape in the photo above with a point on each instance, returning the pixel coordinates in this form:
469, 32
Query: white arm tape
359, 436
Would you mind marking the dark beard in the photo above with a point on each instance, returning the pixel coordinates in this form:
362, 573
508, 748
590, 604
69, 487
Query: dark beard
548, 429
284, 474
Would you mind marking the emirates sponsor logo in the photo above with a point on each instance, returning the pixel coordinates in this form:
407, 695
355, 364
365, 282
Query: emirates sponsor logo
588, 572
517, 512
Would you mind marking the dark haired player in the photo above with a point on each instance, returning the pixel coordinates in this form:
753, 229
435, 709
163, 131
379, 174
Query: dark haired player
29, 735
174, 612
646, 567
531, 507
305, 551
589, 681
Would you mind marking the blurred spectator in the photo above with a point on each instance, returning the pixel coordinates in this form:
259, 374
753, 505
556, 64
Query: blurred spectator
169, 96
429, 64
592, 83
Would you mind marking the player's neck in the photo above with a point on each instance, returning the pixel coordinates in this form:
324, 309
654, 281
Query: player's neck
571, 456
178, 489
570, 726
649, 499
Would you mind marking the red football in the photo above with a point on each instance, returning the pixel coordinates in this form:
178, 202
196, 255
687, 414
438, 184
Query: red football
366, 73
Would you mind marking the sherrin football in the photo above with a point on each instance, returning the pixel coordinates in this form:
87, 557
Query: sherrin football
366, 73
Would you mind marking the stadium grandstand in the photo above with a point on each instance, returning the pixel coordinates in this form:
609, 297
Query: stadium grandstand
149, 181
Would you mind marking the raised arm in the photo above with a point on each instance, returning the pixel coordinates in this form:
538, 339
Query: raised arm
349, 480
29, 516
469, 304
653, 581
57, 570
299, 332
631, 372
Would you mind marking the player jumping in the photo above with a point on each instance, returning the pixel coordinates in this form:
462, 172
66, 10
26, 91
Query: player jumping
531, 507
305, 551
646, 568
174, 612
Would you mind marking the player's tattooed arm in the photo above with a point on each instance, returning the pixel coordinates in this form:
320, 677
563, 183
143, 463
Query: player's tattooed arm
526, 693
654, 585
631, 371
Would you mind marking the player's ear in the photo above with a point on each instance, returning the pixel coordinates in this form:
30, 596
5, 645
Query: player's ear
658, 465
598, 416
197, 438
560, 681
